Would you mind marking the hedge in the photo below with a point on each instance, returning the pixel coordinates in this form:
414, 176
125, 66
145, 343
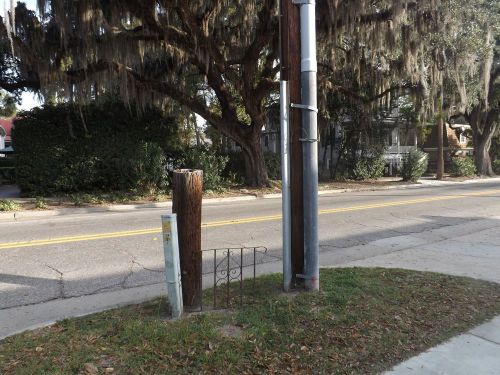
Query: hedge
99, 147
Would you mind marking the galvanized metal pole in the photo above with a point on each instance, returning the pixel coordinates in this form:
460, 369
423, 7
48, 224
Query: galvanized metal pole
440, 148
172, 264
285, 186
309, 106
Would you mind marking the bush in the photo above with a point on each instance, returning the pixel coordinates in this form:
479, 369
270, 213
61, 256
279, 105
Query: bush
370, 164
210, 162
496, 166
40, 203
463, 167
273, 165
414, 165
8, 205
7, 170
115, 148
235, 167
149, 168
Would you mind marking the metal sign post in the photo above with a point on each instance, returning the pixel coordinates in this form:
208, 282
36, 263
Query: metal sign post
172, 264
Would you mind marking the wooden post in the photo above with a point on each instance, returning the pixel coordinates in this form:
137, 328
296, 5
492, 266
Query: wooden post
187, 200
290, 71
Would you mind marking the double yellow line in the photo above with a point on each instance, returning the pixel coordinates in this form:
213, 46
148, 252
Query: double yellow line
257, 219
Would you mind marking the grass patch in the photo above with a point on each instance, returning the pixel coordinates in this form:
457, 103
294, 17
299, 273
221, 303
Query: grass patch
363, 321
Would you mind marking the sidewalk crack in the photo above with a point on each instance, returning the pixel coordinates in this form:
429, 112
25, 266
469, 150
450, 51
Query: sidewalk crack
483, 338
145, 268
60, 281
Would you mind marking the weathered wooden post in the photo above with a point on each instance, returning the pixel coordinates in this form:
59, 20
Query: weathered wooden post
187, 199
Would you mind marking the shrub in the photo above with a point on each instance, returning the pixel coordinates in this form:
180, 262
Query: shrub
7, 170
210, 162
115, 148
414, 165
149, 168
40, 203
8, 205
462, 167
235, 167
273, 165
496, 166
370, 164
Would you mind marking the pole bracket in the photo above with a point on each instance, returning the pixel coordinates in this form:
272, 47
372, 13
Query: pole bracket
304, 107
303, 2
308, 140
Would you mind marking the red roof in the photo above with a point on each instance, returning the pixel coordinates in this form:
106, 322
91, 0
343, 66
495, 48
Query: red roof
7, 125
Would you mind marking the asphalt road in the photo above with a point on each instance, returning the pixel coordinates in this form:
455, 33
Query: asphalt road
59, 257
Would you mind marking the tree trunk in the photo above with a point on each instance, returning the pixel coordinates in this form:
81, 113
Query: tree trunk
484, 127
482, 155
255, 165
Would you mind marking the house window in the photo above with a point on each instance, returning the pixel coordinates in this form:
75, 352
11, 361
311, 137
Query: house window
463, 138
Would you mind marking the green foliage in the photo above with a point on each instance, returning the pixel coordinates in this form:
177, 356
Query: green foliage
40, 203
105, 147
370, 164
463, 167
8, 205
150, 168
273, 165
496, 166
235, 167
414, 165
7, 105
7, 170
210, 162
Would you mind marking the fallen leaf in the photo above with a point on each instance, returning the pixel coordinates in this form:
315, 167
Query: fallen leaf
90, 368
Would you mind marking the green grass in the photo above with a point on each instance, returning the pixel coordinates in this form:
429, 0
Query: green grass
363, 321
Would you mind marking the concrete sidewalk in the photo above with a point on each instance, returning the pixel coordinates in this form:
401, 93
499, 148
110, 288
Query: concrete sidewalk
475, 352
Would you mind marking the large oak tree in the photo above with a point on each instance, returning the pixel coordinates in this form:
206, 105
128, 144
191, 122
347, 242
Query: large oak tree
214, 57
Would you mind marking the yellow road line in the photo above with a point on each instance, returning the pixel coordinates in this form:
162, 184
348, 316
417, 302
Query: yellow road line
213, 224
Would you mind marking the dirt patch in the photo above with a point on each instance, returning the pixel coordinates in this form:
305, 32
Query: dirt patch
230, 331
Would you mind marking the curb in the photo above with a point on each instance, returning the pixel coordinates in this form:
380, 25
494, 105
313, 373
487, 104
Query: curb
32, 214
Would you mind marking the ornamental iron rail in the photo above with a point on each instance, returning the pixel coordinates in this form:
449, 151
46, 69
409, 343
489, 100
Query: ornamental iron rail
231, 274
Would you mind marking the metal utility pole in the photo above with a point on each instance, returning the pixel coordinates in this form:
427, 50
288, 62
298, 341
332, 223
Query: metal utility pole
299, 101
309, 106
291, 132
440, 148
